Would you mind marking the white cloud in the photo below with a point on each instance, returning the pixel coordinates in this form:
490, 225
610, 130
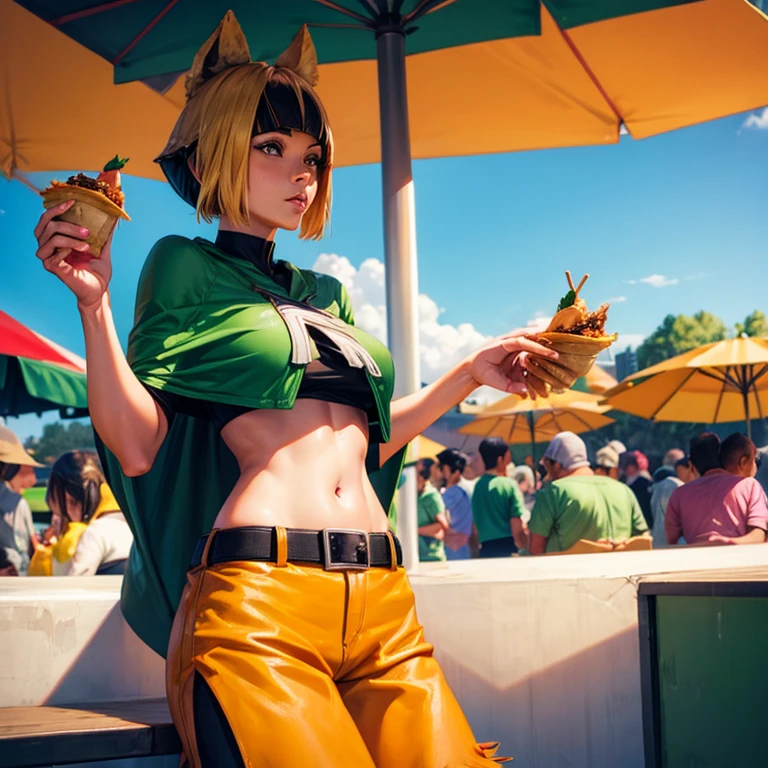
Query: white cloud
656, 281
539, 322
758, 121
625, 340
441, 345
617, 300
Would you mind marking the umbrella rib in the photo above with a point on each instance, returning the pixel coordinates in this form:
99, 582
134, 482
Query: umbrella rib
591, 75
757, 395
756, 376
370, 4
557, 423
345, 11
364, 27
58, 21
725, 377
582, 420
425, 7
120, 56
720, 396
673, 393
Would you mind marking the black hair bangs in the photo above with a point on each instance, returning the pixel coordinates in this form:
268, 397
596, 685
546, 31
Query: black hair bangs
285, 107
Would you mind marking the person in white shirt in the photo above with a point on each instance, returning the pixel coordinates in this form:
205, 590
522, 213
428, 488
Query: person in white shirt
93, 537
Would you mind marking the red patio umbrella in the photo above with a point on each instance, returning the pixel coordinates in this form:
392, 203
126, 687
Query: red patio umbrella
38, 375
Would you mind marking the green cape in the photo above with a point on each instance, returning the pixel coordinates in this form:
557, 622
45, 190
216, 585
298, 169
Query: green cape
198, 313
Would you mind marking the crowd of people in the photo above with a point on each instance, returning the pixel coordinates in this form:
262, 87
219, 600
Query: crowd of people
88, 534
482, 505
479, 505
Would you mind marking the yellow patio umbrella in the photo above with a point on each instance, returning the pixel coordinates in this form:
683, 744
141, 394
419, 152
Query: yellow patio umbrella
714, 384
567, 86
427, 449
535, 421
598, 380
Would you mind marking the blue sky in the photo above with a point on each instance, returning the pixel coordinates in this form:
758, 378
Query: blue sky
671, 224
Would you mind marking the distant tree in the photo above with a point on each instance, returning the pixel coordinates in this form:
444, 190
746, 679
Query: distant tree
755, 324
59, 438
678, 334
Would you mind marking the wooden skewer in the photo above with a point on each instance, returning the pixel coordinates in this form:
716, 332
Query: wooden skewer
581, 284
570, 280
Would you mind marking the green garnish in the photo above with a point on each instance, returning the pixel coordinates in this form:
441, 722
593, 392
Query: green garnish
116, 163
567, 301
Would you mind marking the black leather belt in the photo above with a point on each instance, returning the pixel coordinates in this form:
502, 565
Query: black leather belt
333, 548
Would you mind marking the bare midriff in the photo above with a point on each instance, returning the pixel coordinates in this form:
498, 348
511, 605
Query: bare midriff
301, 468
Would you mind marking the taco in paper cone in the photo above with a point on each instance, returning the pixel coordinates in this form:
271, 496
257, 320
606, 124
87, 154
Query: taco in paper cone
98, 204
577, 335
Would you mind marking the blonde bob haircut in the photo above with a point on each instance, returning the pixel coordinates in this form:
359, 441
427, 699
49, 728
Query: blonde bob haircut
225, 110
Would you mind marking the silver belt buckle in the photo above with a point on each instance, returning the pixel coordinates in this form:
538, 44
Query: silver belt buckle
355, 555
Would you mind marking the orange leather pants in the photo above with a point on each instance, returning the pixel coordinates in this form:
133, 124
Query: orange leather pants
315, 668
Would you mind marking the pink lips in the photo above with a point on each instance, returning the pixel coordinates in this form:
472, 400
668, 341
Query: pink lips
300, 201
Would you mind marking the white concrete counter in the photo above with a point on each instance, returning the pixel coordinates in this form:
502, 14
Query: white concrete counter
541, 652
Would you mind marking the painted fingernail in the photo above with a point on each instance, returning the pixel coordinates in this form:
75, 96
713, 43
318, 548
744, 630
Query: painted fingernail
82, 246
84, 232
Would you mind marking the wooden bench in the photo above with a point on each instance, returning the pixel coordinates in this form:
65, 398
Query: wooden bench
40, 736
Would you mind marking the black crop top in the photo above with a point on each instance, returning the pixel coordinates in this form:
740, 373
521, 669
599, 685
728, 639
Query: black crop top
329, 378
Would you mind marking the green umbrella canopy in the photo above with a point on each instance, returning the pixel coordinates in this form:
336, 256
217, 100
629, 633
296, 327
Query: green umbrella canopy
157, 37
37, 375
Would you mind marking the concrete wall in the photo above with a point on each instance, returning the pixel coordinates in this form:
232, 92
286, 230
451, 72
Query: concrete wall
542, 653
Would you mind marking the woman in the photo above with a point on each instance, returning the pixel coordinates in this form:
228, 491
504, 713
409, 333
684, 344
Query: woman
17, 531
92, 535
253, 409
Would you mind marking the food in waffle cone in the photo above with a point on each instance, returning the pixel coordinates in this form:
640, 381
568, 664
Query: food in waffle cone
98, 202
577, 335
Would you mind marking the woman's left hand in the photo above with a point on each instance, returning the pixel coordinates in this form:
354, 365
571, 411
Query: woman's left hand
502, 364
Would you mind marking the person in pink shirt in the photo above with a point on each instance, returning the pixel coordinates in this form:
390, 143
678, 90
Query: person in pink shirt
725, 504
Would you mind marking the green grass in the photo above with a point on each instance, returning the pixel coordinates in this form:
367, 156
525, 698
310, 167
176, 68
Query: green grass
36, 499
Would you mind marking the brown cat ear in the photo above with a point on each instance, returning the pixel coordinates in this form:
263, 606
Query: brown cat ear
225, 48
301, 57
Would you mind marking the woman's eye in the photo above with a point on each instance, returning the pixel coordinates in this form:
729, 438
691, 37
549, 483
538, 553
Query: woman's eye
313, 160
271, 148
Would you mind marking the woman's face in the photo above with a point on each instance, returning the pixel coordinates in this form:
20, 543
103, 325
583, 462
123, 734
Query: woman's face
61, 517
282, 180
23, 479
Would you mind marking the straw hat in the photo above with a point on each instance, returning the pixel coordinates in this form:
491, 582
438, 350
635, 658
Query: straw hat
12, 451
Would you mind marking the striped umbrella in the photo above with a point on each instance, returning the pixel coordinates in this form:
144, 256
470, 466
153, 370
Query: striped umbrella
38, 375
482, 76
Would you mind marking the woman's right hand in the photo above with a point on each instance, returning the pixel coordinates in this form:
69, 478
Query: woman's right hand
64, 253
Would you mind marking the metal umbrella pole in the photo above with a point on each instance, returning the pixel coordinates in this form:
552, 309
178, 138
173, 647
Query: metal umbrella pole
400, 252
532, 427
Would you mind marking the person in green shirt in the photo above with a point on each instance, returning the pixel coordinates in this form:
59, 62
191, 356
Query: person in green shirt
498, 504
431, 515
578, 504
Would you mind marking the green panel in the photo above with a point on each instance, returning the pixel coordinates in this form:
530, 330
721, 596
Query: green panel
30, 386
713, 669
49, 382
269, 26
575, 13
